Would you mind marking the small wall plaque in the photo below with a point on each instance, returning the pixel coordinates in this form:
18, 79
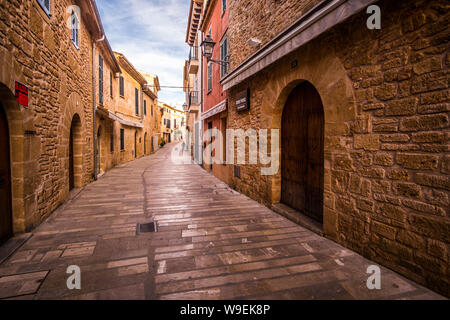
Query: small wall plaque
243, 100
21, 94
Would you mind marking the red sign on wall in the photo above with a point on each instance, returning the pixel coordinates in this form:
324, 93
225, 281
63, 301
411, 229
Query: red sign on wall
22, 94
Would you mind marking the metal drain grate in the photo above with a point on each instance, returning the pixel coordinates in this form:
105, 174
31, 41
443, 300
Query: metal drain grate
146, 227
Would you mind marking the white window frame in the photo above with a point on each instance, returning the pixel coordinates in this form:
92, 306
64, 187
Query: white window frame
224, 6
42, 5
224, 67
75, 30
209, 77
121, 87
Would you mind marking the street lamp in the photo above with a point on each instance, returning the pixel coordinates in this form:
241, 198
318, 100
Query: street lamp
208, 48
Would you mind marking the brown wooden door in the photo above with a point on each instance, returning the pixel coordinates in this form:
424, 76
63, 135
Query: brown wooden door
71, 171
210, 141
135, 144
6, 230
99, 148
302, 151
145, 144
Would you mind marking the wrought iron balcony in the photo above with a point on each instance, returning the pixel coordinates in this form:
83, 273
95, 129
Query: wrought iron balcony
194, 101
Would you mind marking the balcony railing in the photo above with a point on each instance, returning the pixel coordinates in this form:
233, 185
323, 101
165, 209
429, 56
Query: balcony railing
194, 98
193, 60
193, 53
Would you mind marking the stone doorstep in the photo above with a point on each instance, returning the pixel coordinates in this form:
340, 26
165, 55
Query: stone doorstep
12, 245
298, 217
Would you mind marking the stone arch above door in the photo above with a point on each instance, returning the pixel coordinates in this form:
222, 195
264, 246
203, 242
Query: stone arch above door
14, 116
73, 108
327, 74
301, 151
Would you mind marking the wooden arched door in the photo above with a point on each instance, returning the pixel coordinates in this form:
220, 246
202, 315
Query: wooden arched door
302, 139
99, 149
145, 144
71, 169
75, 153
6, 230
135, 144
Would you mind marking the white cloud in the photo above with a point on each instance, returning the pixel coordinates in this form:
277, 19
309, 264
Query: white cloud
151, 34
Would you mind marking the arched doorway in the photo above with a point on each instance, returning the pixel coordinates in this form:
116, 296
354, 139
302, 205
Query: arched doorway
135, 144
152, 144
6, 226
75, 153
99, 149
302, 159
145, 143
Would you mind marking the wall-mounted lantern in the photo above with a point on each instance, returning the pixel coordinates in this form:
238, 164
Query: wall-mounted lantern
208, 48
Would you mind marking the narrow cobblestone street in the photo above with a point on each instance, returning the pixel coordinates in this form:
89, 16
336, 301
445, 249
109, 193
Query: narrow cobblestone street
211, 243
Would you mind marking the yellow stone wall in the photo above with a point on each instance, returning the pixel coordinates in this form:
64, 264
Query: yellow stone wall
125, 109
37, 50
151, 126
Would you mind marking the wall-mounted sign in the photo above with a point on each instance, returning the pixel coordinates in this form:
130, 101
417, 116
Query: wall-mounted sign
22, 94
243, 100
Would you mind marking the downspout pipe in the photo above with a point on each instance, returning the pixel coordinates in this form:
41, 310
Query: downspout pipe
94, 103
142, 120
202, 105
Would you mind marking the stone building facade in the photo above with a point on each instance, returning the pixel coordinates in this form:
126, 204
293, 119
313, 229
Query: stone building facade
125, 110
166, 122
214, 22
56, 54
126, 121
50, 143
382, 104
192, 81
151, 114
106, 95
173, 123
130, 109
179, 124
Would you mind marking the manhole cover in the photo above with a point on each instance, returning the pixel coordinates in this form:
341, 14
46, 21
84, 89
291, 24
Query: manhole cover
146, 227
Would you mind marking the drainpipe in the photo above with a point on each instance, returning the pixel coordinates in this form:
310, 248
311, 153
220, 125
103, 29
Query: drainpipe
202, 104
94, 103
142, 121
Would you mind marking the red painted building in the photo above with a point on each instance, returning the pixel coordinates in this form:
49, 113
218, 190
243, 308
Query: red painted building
214, 113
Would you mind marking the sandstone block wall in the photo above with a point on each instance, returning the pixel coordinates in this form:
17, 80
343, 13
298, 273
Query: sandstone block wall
37, 50
386, 102
262, 20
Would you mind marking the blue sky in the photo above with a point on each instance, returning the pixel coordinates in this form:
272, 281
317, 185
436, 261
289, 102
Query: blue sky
151, 34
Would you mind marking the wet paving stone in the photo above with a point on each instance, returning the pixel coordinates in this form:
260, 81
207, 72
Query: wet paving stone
212, 243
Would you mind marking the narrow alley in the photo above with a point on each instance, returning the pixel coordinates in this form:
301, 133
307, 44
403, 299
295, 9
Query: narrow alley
211, 243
